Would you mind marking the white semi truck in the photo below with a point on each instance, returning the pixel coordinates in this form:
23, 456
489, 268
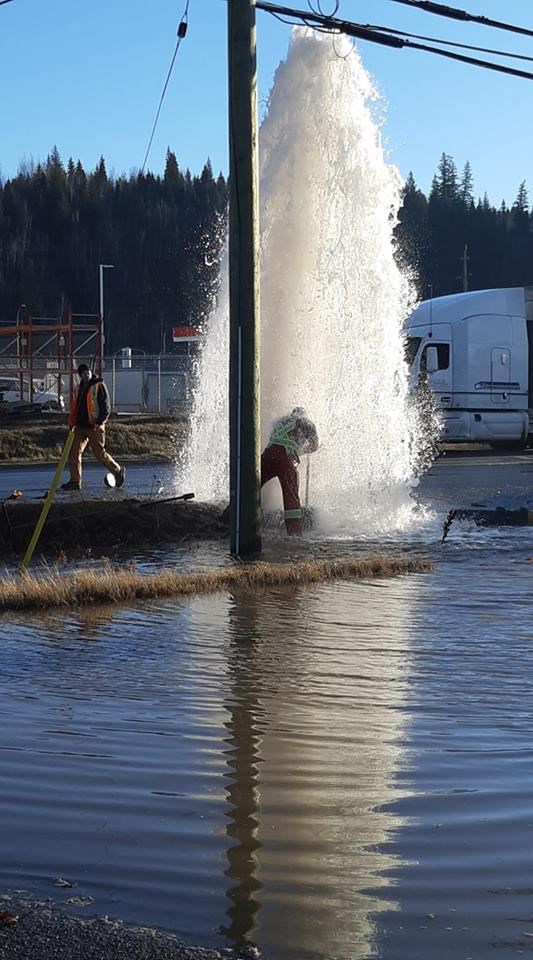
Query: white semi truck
476, 350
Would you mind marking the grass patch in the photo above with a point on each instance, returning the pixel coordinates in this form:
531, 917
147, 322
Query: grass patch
41, 439
118, 585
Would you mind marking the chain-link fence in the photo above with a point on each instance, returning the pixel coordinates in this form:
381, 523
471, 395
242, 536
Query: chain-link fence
149, 384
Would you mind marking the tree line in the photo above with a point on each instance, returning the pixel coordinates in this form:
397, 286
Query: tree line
449, 241
163, 235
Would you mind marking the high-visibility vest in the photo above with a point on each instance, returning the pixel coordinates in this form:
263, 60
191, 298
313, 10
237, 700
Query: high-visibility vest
280, 436
91, 399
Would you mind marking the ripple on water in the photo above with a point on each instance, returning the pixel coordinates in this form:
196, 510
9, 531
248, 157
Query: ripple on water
298, 766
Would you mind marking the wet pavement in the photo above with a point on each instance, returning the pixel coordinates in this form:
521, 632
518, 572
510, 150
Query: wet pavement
479, 479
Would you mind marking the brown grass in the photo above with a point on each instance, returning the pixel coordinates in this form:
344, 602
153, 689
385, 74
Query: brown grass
117, 585
41, 439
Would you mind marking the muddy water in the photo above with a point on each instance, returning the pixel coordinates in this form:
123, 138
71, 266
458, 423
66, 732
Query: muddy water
343, 771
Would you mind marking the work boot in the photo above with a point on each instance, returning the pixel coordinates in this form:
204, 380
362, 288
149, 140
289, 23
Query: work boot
71, 485
121, 476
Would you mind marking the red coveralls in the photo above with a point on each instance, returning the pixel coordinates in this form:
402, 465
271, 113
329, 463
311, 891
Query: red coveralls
277, 462
291, 435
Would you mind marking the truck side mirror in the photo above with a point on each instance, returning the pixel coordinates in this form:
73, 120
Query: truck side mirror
432, 359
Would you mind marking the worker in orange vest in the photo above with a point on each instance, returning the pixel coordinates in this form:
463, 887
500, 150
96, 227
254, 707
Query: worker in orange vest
89, 413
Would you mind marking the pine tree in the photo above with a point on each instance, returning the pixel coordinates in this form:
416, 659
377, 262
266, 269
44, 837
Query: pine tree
521, 204
172, 173
446, 179
411, 231
466, 186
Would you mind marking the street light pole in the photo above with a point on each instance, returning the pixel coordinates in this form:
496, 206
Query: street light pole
19, 353
101, 268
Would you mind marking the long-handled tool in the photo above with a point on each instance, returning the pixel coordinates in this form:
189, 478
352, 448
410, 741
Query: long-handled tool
307, 511
182, 496
48, 502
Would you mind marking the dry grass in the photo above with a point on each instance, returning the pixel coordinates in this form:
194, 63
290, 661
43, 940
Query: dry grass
117, 585
41, 439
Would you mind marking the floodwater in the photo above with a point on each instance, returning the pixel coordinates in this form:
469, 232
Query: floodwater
336, 772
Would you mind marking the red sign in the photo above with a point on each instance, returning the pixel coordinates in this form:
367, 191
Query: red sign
184, 333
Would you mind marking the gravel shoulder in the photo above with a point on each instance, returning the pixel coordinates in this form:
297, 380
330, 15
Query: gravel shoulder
44, 930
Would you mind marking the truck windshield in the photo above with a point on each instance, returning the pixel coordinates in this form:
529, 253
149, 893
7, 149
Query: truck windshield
411, 345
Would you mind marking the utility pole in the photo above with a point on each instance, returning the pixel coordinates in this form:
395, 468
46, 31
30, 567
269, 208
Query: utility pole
244, 379
465, 258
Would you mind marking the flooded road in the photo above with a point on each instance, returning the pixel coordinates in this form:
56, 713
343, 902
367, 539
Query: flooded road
340, 771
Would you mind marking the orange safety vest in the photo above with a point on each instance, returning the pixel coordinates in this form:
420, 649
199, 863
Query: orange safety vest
91, 398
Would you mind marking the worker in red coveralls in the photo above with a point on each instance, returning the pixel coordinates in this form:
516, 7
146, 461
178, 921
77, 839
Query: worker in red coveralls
291, 436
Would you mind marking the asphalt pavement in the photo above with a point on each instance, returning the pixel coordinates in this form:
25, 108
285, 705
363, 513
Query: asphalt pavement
460, 480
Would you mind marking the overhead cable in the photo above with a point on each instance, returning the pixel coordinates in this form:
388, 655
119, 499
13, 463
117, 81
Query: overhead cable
361, 32
336, 4
442, 10
181, 32
452, 43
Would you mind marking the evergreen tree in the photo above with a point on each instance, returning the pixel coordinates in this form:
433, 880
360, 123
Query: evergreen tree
411, 232
521, 204
446, 186
519, 252
57, 225
466, 186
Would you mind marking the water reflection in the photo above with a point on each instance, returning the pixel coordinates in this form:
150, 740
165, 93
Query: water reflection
217, 766
244, 725
316, 707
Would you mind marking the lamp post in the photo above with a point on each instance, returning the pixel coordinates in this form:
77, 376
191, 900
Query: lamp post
101, 268
19, 353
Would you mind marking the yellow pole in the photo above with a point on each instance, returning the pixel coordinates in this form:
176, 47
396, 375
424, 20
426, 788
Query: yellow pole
48, 502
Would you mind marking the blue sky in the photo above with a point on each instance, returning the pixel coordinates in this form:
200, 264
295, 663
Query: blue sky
88, 76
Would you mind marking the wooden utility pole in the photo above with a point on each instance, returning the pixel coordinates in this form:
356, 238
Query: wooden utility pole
245, 483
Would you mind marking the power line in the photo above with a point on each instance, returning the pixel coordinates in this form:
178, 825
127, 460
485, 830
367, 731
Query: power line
290, 23
361, 32
442, 10
319, 9
452, 43
4, 1
181, 32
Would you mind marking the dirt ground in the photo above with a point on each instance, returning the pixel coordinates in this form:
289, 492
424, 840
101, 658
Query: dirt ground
40, 439
76, 526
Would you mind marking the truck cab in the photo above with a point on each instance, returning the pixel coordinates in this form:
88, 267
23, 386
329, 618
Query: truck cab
472, 350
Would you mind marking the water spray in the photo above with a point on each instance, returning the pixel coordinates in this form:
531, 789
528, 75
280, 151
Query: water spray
332, 298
